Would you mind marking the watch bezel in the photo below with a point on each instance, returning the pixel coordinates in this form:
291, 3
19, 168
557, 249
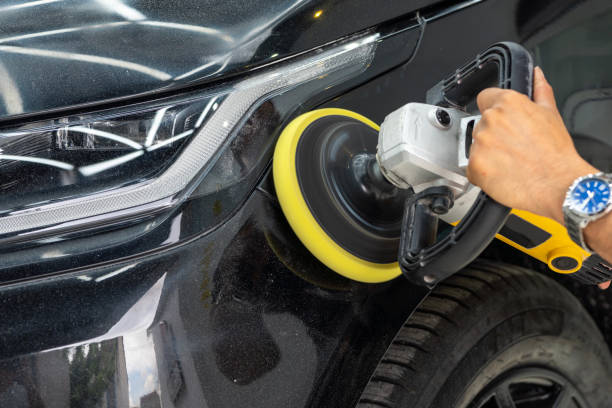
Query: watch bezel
569, 199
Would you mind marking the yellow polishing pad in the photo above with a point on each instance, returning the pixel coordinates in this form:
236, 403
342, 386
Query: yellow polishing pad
297, 212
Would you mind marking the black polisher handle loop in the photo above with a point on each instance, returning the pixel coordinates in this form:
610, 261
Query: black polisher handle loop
420, 220
505, 65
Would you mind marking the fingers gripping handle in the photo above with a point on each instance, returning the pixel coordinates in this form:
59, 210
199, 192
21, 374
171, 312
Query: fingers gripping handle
505, 65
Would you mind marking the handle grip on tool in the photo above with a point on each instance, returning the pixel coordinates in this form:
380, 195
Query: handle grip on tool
505, 65
594, 270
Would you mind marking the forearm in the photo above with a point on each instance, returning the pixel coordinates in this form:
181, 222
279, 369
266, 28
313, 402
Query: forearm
597, 236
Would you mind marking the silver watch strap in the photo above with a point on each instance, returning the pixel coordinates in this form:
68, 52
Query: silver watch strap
573, 224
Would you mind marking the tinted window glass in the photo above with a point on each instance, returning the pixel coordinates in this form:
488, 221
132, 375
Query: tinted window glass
578, 63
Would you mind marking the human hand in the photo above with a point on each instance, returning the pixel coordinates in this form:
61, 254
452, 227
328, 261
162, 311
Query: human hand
522, 154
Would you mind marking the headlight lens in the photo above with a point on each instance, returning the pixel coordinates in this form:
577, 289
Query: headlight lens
85, 155
146, 156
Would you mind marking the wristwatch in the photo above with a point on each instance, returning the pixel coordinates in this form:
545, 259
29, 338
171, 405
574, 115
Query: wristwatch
588, 199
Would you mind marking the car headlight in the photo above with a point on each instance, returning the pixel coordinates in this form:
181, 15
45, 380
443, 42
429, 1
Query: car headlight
114, 163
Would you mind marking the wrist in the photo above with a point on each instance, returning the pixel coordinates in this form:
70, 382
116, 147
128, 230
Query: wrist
560, 183
596, 236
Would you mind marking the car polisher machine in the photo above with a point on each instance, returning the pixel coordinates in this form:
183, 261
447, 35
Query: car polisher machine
373, 203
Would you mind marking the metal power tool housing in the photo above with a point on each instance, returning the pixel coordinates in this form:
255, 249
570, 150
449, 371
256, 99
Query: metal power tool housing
421, 146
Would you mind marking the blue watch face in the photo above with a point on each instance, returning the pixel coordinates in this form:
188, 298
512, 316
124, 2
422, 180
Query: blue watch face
590, 196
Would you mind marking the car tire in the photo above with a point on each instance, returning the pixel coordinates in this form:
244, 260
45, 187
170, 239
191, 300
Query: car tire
494, 335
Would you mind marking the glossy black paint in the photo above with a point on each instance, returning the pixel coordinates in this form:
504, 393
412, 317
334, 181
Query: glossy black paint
252, 315
241, 315
59, 53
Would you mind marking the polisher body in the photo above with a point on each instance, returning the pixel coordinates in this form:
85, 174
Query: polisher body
414, 152
374, 203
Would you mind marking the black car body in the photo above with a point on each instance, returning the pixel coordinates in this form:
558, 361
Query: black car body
209, 299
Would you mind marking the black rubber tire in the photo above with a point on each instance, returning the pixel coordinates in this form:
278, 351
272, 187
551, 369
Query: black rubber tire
489, 319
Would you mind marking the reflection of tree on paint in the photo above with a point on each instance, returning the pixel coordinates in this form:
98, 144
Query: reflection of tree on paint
92, 372
17, 384
88, 376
